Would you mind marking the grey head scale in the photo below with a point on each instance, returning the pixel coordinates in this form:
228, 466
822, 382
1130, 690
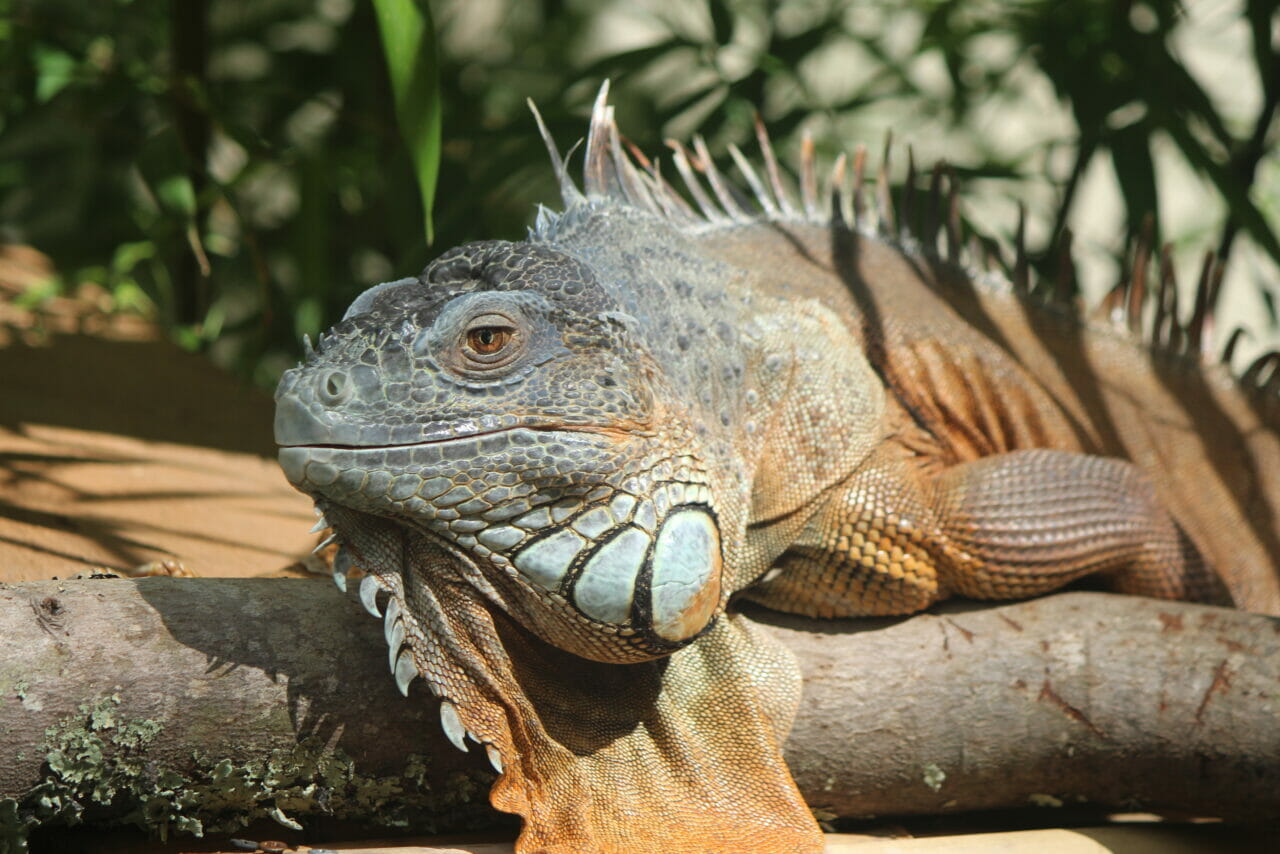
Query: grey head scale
509, 405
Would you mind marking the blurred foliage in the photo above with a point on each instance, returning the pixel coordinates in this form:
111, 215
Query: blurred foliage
241, 166
409, 45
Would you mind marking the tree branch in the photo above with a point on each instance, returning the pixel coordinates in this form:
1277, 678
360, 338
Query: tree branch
205, 703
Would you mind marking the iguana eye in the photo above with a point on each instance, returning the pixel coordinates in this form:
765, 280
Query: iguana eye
491, 341
488, 340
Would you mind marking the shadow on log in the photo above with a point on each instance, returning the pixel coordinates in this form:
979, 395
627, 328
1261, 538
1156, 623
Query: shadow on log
201, 704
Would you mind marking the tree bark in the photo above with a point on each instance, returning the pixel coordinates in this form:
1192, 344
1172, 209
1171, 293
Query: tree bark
1077, 698
199, 704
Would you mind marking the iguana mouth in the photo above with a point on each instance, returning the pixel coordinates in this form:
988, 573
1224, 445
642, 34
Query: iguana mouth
443, 439
302, 423
610, 431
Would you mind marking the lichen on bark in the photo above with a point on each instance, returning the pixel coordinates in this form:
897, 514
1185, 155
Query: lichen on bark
97, 762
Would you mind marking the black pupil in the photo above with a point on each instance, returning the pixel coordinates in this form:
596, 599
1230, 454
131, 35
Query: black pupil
486, 337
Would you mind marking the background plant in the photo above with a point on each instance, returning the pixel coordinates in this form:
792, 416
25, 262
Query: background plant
242, 168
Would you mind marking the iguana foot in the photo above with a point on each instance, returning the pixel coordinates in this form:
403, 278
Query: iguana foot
167, 567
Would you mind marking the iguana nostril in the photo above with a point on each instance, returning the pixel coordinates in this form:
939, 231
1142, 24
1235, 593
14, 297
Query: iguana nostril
333, 387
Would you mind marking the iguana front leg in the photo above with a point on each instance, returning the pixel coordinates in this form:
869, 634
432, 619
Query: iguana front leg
1008, 526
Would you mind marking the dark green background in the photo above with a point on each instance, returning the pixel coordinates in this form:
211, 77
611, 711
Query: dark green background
136, 137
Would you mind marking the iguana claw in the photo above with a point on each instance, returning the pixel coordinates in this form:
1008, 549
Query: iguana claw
452, 725
342, 564
369, 595
395, 640
495, 758
391, 619
405, 670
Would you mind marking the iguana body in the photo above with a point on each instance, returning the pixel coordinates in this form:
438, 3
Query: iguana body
563, 457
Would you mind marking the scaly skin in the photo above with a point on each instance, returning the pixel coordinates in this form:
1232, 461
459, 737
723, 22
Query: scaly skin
562, 457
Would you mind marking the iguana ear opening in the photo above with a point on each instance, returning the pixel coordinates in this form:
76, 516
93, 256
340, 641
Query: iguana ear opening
677, 755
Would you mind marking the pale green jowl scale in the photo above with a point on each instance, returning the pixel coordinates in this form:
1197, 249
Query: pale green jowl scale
562, 457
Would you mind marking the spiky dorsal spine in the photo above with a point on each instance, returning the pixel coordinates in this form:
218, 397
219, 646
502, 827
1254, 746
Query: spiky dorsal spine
615, 171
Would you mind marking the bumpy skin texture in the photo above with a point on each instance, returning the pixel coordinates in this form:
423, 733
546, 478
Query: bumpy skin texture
562, 457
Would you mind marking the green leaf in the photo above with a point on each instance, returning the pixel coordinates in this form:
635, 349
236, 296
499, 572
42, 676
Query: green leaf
1242, 208
177, 195
625, 62
129, 255
721, 22
54, 70
1260, 14
1136, 174
409, 46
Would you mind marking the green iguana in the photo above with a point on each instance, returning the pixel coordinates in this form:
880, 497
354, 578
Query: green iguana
563, 458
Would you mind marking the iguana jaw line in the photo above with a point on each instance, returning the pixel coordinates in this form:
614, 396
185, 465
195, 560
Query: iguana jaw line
545, 541
615, 432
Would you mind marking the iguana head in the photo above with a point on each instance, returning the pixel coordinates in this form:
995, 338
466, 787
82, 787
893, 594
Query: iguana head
502, 404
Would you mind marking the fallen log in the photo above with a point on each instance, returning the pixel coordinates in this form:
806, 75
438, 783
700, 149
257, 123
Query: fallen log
202, 704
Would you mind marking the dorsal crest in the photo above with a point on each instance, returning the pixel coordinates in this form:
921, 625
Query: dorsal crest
921, 220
